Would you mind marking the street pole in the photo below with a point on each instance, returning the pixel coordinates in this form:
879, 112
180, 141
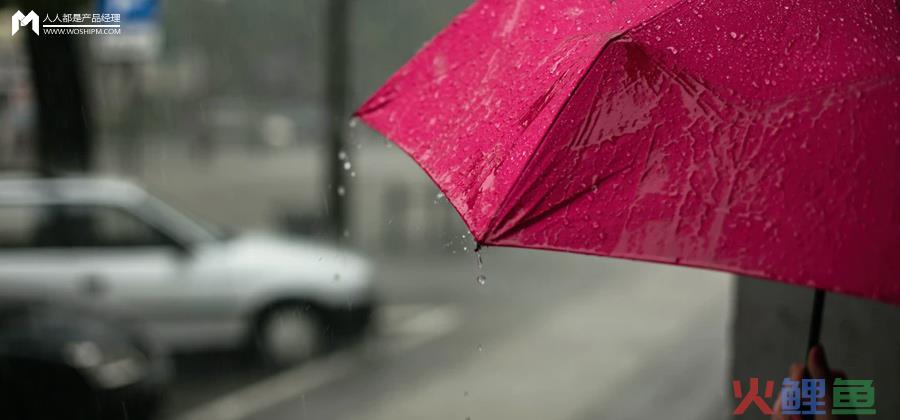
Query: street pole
64, 139
335, 114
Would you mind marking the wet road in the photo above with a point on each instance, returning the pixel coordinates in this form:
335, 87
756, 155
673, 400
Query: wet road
548, 336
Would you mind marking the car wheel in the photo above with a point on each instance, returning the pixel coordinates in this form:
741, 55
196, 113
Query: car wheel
288, 334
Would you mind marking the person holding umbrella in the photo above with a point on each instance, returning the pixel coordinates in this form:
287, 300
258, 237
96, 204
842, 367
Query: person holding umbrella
751, 137
816, 367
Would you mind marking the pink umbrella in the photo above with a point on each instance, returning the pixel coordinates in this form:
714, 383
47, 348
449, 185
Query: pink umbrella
755, 137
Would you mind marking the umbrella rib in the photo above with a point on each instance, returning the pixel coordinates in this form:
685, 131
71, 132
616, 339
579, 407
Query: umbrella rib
516, 227
503, 209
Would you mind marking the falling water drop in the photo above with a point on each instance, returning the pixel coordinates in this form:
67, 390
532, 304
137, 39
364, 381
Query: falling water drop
353, 122
341, 191
480, 278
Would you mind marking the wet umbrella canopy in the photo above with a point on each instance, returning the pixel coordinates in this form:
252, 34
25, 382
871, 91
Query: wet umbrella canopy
757, 137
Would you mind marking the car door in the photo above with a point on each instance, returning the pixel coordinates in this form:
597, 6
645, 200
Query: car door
34, 257
122, 262
126, 263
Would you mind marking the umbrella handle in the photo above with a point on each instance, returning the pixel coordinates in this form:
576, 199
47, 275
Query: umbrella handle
815, 322
815, 329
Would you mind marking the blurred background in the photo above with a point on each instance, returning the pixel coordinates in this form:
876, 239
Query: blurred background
311, 270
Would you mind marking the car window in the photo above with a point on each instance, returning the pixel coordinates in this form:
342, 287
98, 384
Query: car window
17, 226
109, 227
31, 226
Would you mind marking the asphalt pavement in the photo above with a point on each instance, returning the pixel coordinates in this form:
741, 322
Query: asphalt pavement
548, 336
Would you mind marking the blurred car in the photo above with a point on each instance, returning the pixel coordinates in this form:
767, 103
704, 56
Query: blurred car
60, 360
193, 286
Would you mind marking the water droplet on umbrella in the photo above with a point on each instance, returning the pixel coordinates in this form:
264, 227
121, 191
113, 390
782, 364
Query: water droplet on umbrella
733, 35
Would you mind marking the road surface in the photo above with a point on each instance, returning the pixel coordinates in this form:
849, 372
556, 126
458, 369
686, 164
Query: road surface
549, 336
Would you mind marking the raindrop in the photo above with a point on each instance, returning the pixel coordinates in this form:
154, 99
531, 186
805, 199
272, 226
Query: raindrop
480, 278
342, 155
347, 166
733, 35
353, 174
341, 191
353, 122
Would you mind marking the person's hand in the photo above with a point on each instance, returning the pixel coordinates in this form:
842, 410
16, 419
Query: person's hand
817, 366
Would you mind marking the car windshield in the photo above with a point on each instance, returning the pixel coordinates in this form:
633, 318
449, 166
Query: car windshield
185, 226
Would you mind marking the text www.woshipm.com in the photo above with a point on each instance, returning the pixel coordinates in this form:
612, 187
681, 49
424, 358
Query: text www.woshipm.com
82, 31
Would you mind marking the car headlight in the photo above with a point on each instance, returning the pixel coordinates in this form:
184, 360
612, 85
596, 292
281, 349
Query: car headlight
113, 368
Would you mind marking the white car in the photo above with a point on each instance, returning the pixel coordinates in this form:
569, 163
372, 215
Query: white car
192, 286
